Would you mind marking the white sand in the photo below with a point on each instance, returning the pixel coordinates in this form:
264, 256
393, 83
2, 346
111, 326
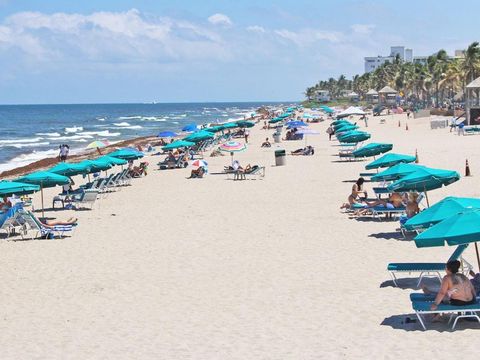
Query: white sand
171, 268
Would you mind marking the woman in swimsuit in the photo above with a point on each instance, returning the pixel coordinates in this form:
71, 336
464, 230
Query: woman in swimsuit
357, 188
456, 287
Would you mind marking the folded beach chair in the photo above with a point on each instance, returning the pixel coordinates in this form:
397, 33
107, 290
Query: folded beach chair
86, 199
30, 224
421, 305
429, 269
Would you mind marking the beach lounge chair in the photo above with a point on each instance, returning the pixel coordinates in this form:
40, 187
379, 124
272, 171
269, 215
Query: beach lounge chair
378, 211
428, 269
30, 224
421, 305
86, 199
255, 170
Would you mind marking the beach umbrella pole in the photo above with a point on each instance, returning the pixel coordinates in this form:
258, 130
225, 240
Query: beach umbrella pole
478, 256
41, 195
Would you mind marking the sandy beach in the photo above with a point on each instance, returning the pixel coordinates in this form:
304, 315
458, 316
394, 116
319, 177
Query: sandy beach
212, 268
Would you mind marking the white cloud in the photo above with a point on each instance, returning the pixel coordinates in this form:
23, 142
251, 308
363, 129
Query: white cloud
220, 19
307, 37
256, 28
109, 37
363, 29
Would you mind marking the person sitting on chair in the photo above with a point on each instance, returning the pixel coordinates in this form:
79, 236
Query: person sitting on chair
197, 174
266, 143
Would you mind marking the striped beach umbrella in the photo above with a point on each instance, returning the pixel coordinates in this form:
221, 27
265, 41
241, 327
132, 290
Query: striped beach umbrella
199, 163
98, 144
233, 146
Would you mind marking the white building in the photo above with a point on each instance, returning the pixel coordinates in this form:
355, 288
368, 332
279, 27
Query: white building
406, 55
321, 96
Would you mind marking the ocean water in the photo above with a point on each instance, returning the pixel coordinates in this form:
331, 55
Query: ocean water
32, 132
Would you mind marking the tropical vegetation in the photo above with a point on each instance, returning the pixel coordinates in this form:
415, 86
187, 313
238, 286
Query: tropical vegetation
435, 82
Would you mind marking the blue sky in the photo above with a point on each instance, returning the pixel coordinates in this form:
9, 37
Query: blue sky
224, 50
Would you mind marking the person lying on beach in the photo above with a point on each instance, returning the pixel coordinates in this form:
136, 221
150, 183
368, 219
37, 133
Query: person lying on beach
354, 196
52, 223
394, 201
266, 143
305, 151
197, 174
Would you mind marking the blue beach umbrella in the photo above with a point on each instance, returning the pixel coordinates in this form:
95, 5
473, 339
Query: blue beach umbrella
190, 128
214, 129
167, 134
296, 124
440, 211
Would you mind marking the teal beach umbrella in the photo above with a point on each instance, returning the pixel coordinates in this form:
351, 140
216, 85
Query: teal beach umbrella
8, 188
93, 166
372, 149
341, 122
215, 129
67, 169
353, 137
424, 179
112, 160
44, 179
389, 160
230, 125
245, 124
396, 172
275, 120
461, 228
345, 127
440, 211
178, 144
126, 154
199, 136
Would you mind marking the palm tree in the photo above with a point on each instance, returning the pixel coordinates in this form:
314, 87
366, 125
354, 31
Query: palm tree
471, 61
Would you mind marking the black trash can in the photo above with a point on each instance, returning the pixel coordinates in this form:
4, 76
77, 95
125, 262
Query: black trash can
280, 157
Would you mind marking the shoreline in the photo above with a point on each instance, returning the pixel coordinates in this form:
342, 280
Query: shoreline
82, 155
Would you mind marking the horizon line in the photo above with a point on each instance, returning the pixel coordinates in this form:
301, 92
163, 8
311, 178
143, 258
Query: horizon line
156, 103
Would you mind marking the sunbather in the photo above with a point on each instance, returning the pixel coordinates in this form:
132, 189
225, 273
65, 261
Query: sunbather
197, 173
456, 289
53, 223
354, 197
266, 143
305, 151
394, 201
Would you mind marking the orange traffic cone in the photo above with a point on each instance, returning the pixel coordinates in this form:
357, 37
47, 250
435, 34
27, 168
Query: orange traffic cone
406, 126
416, 156
467, 169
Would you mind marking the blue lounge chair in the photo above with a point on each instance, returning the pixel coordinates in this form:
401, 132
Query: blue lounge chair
421, 304
428, 269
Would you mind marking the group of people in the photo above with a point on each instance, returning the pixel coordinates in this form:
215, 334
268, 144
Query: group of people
358, 200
